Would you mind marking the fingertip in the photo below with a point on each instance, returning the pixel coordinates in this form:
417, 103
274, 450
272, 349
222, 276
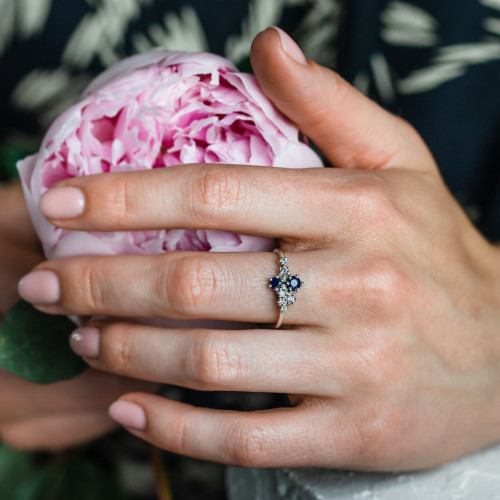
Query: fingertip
129, 414
273, 51
65, 202
263, 40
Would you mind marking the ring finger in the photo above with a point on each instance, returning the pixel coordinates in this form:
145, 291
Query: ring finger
177, 285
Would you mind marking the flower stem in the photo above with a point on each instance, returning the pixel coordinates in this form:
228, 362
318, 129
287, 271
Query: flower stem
163, 489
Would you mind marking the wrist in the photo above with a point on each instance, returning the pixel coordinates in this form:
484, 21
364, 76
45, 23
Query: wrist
495, 406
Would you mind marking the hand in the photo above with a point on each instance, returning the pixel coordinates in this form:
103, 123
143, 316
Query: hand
64, 414
391, 355
19, 248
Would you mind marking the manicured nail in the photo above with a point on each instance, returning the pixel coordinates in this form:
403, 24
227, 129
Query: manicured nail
40, 288
62, 203
85, 342
290, 47
128, 414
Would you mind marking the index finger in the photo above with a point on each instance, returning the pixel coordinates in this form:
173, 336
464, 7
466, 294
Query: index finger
257, 201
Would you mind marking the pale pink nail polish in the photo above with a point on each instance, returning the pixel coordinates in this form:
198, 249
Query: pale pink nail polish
290, 47
85, 342
128, 414
62, 203
40, 288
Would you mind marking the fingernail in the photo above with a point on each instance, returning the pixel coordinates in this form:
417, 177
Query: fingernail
62, 203
128, 414
85, 342
40, 287
290, 47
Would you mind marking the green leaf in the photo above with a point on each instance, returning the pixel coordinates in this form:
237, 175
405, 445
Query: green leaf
11, 151
40, 485
35, 346
88, 480
78, 479
244, 65
15, 469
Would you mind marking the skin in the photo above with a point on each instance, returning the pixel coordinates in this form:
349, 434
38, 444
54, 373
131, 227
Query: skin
391, 355
64, 414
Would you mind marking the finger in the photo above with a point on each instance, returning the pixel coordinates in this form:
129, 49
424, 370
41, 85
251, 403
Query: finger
15, 261
16, 224
292, 437
178, 285
258, 201
92, 391
350, 129
253, 360
56, 432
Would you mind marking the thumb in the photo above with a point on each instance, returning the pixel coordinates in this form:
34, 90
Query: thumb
350, 129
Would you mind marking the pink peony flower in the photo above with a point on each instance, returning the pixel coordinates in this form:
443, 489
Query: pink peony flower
153, 111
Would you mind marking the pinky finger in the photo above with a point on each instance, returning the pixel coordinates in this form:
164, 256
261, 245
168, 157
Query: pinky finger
56, 432
282, 437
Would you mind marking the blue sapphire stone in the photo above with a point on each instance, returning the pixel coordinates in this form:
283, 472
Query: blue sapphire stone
294, 283
274, 283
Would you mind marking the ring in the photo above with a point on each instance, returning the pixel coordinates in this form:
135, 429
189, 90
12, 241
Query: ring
285, 285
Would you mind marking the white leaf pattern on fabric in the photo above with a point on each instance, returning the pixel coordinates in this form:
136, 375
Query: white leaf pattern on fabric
382, 78
492, 24
362, 81
49, 92
450, 62
261, 14
494, 4
100, 34
425, 79
408, 25
317, 32
469, 53
24, 18
182, 32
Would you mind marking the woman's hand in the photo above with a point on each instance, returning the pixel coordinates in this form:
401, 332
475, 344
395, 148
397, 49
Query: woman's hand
19, 248
391, 354
51, 417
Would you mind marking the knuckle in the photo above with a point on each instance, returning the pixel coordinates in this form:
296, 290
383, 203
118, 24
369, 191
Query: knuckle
191, 286
373, 200
384, 286
178, 432
120, 198
376, 444
213, 362
91, 294
405, 128
117, 347
215, 193
246, 445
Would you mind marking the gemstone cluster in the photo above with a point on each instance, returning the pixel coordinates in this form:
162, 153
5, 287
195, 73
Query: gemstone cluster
285, 285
